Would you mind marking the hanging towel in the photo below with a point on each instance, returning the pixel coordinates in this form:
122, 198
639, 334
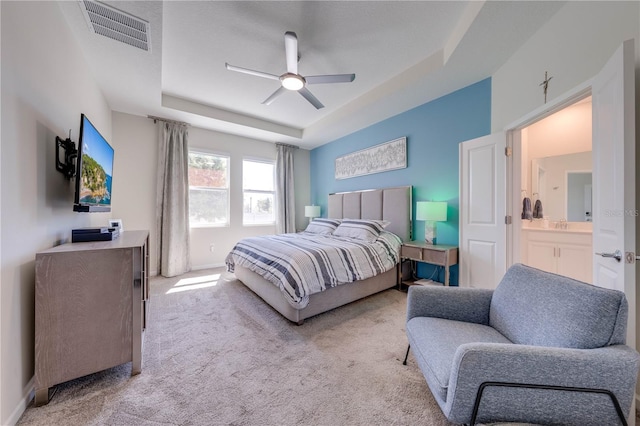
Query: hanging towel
526, 208
537, 209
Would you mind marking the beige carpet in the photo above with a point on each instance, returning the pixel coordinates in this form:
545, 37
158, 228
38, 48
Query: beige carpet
216, 354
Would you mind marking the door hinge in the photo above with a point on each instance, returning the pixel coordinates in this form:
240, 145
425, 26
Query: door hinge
507, 220
508, 151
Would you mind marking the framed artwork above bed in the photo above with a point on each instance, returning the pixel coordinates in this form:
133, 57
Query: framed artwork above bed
384, 157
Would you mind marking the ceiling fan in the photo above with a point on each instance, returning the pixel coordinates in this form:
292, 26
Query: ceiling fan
291, 80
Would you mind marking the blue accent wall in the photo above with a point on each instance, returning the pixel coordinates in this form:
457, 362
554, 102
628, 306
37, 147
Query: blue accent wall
433, 131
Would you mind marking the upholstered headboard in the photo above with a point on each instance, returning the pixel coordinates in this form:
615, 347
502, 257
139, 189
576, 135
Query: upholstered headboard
392, 204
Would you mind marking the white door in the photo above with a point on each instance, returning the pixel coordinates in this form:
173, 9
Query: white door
614, 213
482, 211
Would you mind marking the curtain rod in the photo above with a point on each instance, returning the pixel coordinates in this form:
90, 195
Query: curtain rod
166, 120
286, 144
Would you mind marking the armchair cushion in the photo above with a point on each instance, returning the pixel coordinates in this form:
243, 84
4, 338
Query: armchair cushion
533, 307
459, 304
450, 335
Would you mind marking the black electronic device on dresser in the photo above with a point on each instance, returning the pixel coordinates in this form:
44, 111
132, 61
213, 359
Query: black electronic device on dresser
94, 234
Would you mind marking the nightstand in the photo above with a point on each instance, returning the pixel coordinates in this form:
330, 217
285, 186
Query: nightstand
419, 251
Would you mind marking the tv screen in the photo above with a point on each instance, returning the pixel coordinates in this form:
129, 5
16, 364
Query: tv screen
94, 173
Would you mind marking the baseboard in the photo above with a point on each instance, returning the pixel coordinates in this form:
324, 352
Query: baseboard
193, 268
29, 393
209, 266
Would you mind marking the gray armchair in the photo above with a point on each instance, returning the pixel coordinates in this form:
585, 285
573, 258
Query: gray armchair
540, 348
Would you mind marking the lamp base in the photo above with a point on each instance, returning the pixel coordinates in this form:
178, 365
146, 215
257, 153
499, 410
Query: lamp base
430, 232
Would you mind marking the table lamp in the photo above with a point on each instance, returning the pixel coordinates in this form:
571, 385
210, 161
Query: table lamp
311, 212
431, 212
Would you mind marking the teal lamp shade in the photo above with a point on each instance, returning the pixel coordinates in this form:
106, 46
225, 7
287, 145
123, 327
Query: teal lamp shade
431, 212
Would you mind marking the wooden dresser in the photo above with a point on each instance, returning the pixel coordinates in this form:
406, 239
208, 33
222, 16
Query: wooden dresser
90, 308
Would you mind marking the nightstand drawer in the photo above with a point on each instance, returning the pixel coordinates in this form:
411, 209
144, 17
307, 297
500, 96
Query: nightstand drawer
411, 252
434, 256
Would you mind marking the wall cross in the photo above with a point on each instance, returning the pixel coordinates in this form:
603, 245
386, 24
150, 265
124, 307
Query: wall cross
545, 85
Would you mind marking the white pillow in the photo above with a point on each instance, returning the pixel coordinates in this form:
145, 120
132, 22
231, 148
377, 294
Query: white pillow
322, 226
361, 229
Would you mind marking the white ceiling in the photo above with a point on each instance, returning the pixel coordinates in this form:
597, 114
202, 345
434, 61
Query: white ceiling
404, 54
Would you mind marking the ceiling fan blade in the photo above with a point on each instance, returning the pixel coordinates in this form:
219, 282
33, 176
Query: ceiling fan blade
291, 51
312, 99
252, 72
274, 95
334, 78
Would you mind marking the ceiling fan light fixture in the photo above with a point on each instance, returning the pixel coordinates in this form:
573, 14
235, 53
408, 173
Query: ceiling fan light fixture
292, 81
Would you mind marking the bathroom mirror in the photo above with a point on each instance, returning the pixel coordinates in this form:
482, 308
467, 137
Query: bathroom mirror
562, 183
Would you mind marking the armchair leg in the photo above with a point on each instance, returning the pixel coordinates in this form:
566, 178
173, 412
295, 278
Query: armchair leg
484, 385
406, 356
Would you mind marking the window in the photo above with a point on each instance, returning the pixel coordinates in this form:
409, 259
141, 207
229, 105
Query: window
258, 184
208, 189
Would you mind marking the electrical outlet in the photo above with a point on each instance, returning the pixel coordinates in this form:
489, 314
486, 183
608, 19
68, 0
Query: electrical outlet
211, 247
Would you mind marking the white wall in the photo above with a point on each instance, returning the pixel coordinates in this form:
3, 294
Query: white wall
565, 132
135, 143
573, 46
45, 86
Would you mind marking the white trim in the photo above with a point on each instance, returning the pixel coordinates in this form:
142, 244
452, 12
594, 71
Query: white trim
209, 151
208, 266
259, 159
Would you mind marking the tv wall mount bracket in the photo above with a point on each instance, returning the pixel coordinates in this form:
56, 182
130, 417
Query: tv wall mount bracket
68, 166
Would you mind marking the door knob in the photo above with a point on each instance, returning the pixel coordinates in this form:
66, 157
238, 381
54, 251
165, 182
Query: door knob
617, 255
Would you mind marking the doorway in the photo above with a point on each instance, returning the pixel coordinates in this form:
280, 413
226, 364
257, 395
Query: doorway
551, 218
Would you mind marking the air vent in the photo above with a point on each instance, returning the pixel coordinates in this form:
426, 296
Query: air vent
116, 24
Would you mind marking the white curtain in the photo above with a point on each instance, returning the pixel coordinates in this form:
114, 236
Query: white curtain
172, 207
285, 193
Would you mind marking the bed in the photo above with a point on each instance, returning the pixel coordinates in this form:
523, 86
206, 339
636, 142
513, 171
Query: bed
392, 205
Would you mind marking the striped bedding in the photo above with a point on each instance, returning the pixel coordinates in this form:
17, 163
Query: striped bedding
306, 263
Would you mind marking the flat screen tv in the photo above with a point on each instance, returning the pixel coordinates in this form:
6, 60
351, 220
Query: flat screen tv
94, 174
